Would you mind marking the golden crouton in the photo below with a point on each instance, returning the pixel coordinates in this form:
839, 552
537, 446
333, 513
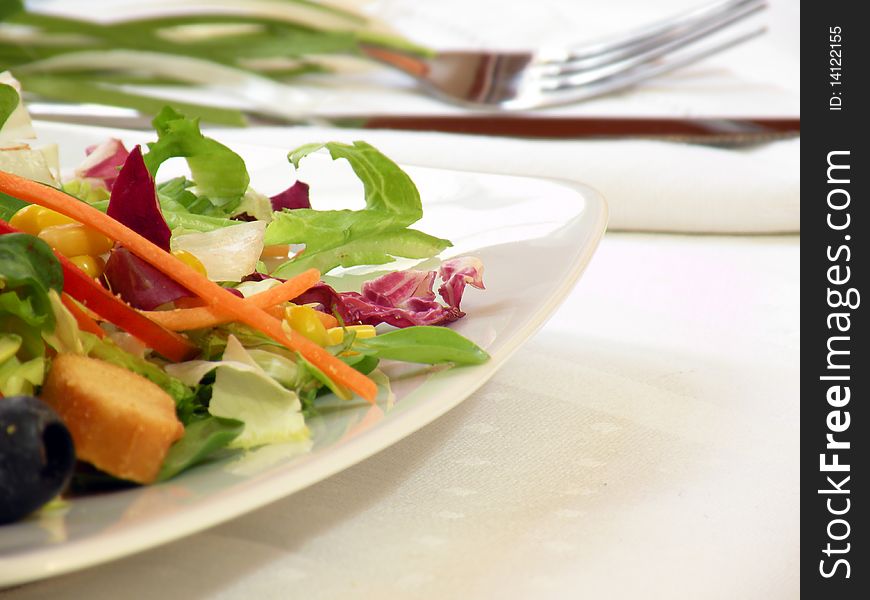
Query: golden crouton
120, 422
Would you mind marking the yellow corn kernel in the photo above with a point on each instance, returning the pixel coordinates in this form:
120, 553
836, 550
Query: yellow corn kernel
190, 260
363, 331
92, 265
74, 239
303, 320
336, 334
49, 218
25, 219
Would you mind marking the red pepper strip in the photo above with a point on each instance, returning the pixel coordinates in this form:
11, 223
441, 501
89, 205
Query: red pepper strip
101, 301
89, 292
86, 323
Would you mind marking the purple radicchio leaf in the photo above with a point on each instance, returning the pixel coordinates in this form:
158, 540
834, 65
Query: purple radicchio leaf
134, 202
138, 283
416, 311
402, 298
395, 289
102, 163
354, 308
296, 196
456, 273
257, 276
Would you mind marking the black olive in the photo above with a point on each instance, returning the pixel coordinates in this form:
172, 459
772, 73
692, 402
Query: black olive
36, 456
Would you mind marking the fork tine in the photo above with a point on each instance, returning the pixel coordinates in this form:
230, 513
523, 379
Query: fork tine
566, 92
524, 80
651, 34
654, 46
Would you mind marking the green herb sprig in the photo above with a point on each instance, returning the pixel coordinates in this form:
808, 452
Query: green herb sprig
77, 60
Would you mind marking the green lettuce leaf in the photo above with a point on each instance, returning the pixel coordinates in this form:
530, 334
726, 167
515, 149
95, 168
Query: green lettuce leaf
13, 304
66, 337
29, 273
8, 102
29, 269
387, 187
243, 391
270, 412
423, 344
184, 211
220, 174
95, 195
366, 250
202, 438
372, 235
9, 206
17, 376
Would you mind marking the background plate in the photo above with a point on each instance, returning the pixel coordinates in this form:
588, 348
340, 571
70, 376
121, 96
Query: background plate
534, 236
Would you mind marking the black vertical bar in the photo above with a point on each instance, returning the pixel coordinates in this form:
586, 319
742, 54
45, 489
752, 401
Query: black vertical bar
835, 169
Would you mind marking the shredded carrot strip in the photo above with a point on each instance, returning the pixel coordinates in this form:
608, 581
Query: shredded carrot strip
86, 323
185, 319
188, 302
336, 370
275, 311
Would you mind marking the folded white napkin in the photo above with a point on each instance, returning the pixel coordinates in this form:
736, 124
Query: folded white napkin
649, 185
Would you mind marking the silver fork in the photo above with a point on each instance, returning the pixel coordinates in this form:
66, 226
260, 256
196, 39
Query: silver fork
550, 77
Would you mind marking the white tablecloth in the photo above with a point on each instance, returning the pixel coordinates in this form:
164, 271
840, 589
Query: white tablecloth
644, 444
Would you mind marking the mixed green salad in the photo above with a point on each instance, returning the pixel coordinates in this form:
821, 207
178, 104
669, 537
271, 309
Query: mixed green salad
147, 324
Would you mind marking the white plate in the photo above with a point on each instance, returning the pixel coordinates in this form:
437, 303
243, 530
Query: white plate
535, 238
